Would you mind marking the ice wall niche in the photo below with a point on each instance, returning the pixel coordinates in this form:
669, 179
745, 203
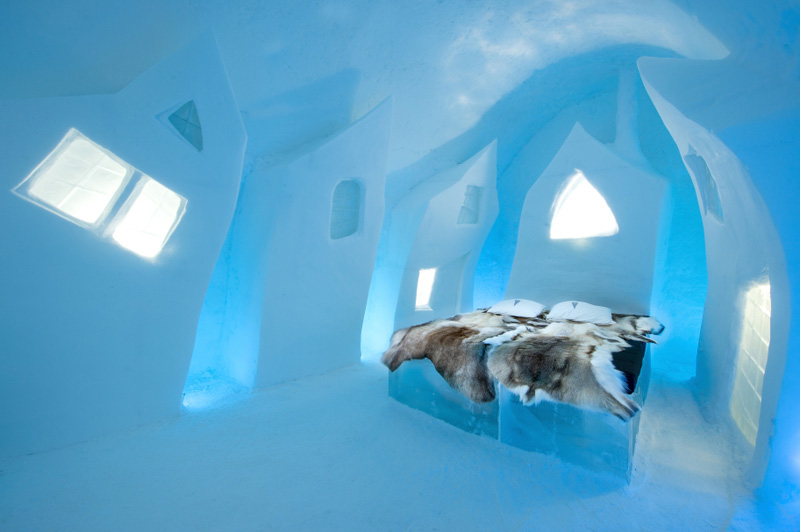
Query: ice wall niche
430, 245
100, 319
460, 207
317, 285
288, 293
613, 270
742, 249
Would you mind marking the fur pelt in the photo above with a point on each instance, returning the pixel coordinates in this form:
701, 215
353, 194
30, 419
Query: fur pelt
559, 361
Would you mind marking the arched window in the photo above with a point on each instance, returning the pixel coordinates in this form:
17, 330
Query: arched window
581, 212
346, 209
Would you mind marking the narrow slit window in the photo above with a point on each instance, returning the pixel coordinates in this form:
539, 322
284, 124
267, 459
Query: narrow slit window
148, 218
580, 211
751, 361
470, 210
346, 209
425, 288
78, 180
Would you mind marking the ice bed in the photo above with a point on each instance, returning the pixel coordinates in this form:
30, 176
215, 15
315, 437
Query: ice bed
594, 439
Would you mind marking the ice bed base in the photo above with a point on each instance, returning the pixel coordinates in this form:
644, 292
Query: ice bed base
595, 440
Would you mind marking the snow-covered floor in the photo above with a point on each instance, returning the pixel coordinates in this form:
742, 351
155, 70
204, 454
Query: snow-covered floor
336, 453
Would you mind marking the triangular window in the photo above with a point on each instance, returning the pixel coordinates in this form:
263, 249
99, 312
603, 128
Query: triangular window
580, 211
187, 122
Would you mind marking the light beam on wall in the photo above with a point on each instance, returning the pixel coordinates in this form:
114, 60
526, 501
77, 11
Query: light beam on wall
580, 211
425, 288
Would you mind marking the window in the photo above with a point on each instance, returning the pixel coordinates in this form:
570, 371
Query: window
581, 212
345, 209
83, 183
752, 360
470, 210
425, 288
706, 185
78, 180
148, 217
186, 122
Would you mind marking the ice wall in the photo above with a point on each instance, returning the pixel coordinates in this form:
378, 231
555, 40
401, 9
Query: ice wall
743, 246
466, 73
97, 338
439, 225
289, 290
614, 271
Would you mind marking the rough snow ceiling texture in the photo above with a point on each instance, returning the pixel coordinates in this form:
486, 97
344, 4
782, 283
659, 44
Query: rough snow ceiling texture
457, 59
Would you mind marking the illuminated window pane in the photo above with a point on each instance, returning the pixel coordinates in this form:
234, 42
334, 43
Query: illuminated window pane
425, 288
148, 217
752, 361
581, 212
79, 180
470, 210
345, 209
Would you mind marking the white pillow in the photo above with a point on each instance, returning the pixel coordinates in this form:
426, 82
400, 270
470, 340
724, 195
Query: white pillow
580, 311
522, 308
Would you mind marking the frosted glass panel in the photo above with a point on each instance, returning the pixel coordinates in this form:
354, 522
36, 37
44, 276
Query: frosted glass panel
78, 180
345, 209
581, 211
752, 361
148, 218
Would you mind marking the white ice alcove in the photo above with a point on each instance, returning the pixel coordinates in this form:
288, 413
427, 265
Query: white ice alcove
430, 244
460, 206
613, 270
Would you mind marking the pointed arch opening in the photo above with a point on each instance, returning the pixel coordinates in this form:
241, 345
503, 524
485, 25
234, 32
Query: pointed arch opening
580, 211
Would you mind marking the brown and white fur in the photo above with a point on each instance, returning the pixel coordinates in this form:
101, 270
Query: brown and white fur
455, 347
560, 361
565, 362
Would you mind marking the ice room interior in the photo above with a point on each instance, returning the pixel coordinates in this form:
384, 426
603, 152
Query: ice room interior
386, 265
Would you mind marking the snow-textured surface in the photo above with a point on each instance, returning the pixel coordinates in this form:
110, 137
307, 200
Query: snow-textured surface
284, 460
